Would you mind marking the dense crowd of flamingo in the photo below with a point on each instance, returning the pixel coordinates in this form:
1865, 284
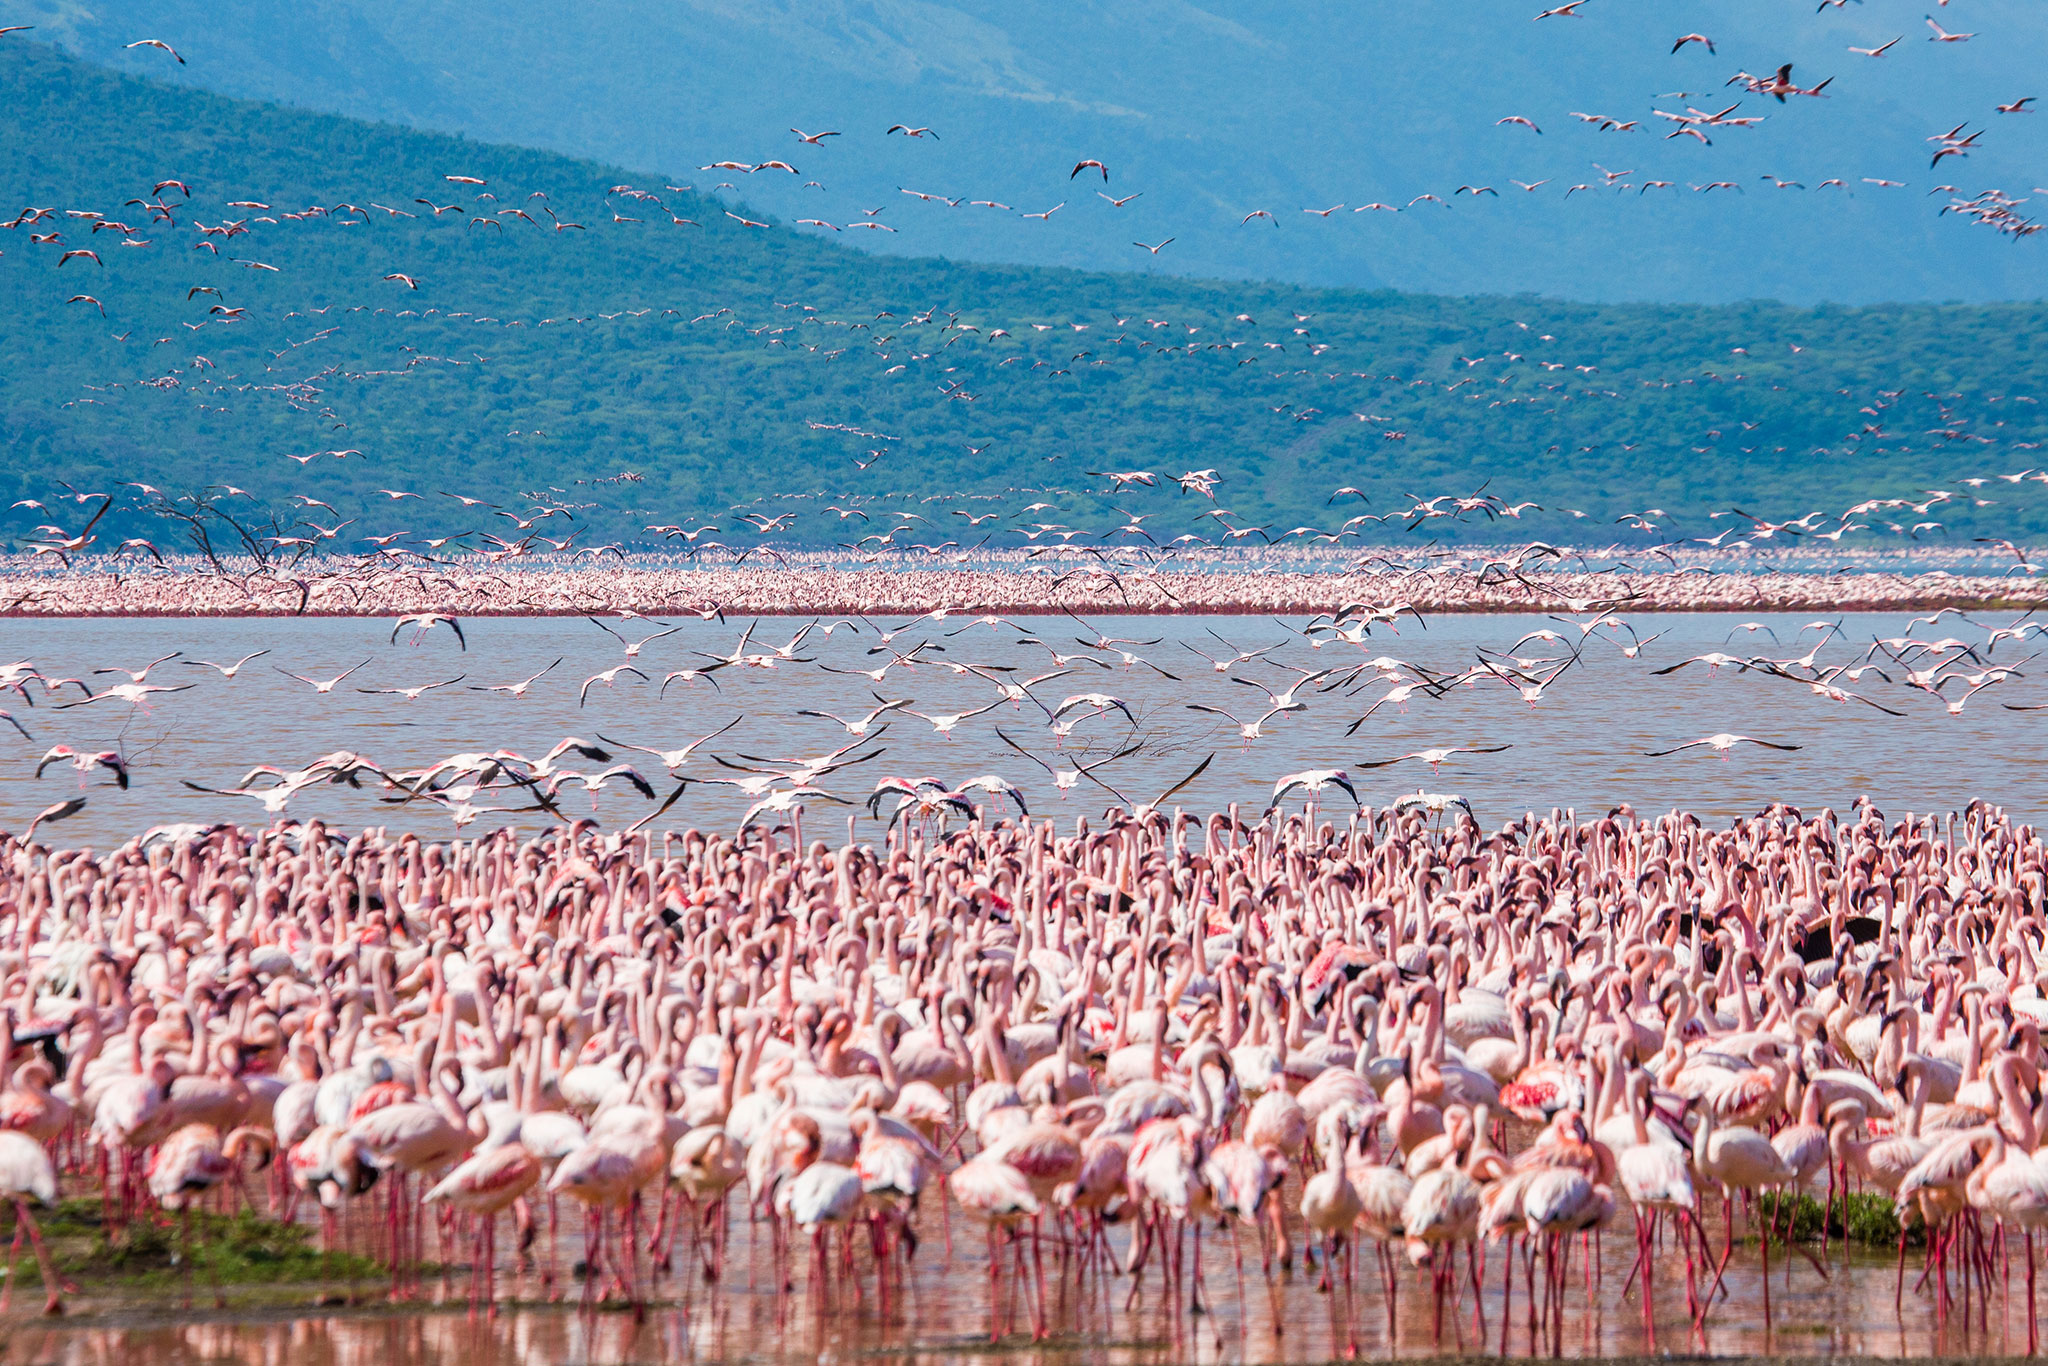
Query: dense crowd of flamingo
1390, 1032
807, 583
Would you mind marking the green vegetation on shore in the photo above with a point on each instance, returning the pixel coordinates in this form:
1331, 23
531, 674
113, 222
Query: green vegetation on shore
156, 1250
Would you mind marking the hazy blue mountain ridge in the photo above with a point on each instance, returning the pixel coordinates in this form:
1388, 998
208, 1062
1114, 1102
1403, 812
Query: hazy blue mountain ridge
1212, 113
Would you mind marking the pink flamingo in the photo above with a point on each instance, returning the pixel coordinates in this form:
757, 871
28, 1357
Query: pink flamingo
494, 1178
998, 1194
26, 1173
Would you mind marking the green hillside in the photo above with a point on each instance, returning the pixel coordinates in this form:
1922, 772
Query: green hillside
717, 363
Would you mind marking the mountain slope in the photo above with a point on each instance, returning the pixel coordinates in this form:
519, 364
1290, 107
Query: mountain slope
554, 329
1211, 112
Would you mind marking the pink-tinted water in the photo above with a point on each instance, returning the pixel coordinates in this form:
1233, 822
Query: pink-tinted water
943, 1310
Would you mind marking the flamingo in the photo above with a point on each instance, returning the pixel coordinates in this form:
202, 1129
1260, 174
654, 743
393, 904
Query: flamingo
1738, 1159
814, 1194
2012, 1186
606, 1174
1330, 1204
27, 1106
1441, 1212
494, 1178
998, 1194
1656, 1175
26, 1173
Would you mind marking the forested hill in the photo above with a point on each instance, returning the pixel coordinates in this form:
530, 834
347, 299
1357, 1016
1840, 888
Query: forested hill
338, 308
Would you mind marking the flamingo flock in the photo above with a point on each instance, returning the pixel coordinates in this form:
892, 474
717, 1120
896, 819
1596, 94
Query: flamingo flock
1386, 1037
1273, 582
1127, 1054
1994, 208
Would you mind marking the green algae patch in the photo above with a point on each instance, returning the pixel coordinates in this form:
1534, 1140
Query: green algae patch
1860, 1217
154, 1250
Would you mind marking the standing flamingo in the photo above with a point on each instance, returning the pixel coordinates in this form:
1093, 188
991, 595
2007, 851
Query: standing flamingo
26, 1173
1738, 1159
998, 1194
483, 1185
1656, 1175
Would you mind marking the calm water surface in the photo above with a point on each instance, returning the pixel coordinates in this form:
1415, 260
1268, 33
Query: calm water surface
942, 1313
1581, 747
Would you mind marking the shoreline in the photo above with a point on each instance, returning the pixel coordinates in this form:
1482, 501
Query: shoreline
819, 592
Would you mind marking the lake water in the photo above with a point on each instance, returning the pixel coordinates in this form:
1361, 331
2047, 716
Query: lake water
1582, 746
941, 1312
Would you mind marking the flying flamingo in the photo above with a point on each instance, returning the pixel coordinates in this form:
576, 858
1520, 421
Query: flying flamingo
227, 671
1720, 744
318, 685
157, 43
